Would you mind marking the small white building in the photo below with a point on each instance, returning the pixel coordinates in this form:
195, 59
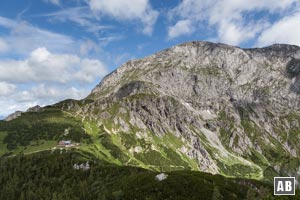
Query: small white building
82, 166
75, 166
87, 166
161, 177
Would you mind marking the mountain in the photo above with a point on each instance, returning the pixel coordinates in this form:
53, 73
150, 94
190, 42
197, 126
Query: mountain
18, 113
197, 106
204, 106
13, 116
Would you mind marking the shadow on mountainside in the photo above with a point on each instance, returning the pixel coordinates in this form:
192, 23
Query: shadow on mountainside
293, 72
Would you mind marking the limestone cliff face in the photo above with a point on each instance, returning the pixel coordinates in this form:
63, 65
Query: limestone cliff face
217, 108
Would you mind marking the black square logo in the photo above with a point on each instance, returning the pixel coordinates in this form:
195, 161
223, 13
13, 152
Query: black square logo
284, 185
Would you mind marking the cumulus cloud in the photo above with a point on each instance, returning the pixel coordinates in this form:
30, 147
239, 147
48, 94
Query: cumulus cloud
6, 88
182, 27
46, 78
44, 94
41, 94
230, 19
283, 31
235, 33
44, 66
121, 10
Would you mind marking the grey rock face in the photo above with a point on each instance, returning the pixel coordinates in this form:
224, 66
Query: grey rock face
36, 108
230, 106
17, 114
13, 116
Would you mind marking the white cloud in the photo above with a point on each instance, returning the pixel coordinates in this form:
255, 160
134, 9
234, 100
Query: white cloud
182, 27
6, 88
234, 33
42, 94
55, 2
3, 46
49, 93
38, 66
235, 9
46, 78
90, 70
44, 66
122, 10
88, 46
23, 38
231, 19
79, 15
9, 106
284, 31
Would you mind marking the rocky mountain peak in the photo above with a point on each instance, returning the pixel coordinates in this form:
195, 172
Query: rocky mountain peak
13, 116
211, 69
36, 108
224, 107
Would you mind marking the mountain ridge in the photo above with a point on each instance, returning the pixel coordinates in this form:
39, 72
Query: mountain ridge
271, 47
198, 106
118, 83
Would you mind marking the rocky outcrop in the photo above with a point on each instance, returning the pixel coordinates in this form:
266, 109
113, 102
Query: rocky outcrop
13, 116
17, 114
36, 108
225, 106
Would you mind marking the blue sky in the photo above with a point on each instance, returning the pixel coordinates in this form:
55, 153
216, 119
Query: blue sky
51, 50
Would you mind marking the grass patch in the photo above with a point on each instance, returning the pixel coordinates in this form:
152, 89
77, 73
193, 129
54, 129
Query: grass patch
49, 124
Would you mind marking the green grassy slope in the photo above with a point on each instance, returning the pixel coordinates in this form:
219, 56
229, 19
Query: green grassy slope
31, 169
37, 131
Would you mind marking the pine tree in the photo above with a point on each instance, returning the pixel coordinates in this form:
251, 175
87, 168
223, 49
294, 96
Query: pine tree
54, 196
217, 194
22, 197
251, 194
